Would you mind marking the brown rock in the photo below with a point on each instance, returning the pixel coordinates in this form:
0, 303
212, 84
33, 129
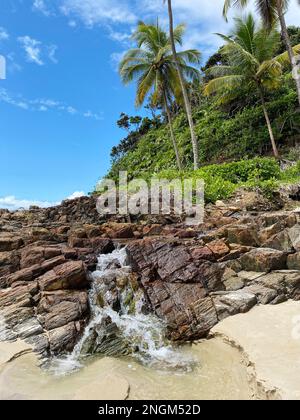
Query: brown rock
243, 235
71, 275
293, 261
219, 248
29, 274
10, 243
123, 233
64, 338
59, 308
263, 259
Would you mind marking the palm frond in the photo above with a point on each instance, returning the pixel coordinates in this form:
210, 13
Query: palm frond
221, 83
284, 57
192, 56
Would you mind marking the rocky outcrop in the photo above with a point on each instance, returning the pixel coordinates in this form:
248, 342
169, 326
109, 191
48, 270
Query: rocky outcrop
191, 277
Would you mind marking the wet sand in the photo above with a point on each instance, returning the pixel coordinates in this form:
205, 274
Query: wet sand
219, 374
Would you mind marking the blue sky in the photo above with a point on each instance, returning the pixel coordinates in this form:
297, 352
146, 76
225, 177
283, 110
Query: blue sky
62, 94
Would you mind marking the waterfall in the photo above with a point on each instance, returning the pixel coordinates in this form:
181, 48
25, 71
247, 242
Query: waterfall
121, 324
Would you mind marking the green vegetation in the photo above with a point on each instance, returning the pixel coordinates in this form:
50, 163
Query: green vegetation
222, 180
273, 12
246, 96
249, 53
151, 64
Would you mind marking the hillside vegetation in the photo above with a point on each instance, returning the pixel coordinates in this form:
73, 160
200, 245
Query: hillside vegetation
231, 130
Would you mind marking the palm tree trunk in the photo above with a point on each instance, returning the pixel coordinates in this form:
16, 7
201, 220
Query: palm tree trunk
288, 44
266, 114
167, 109
186, 99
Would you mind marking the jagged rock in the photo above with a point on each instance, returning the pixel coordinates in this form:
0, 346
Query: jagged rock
243, 235
31, 273
203, 253
233, 303
263, 259
33, 255
293, 261
56, 309
264, 295
294, 234
219, 248
10, 243
123, 233
64, 338
280, 241
249, 276
71, 275
19, 296
171, 262
234, 283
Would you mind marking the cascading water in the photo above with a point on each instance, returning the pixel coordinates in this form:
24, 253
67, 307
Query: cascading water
120, 323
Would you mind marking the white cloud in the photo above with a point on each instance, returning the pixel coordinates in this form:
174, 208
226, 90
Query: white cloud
40, 6
76, 194
15, 101
121, 37
42, 104
3, 34
115, 59
12, 203
12, 65
93, 115
94, 12
32, 48
72, 23
51, 53
36, 52
203, 18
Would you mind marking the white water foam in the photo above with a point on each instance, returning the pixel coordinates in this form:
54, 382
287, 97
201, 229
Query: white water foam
143, 332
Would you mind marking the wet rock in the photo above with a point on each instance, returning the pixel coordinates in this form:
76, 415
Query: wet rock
28, 328
64, 338
107, 340
39, 342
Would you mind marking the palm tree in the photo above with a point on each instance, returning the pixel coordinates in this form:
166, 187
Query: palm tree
152, 65
271, 11
185, 95
250, 54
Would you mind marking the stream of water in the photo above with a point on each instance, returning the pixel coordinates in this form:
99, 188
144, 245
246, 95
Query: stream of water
152, 367
142, 332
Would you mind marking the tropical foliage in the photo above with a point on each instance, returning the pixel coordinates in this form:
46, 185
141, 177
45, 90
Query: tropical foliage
249, 53
152, 66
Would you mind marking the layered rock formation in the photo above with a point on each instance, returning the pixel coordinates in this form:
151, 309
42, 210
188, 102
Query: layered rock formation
191, 277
